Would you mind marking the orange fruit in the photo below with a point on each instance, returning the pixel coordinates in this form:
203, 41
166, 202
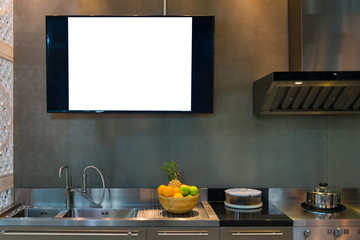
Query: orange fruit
178, 195
161, 189
168, 191
176, 190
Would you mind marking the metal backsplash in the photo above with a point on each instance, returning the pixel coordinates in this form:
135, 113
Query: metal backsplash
324, 35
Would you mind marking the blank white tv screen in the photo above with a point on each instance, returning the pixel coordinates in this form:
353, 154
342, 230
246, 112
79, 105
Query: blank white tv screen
129, 64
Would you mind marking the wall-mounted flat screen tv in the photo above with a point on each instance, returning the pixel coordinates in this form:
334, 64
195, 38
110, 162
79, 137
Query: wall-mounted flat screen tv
130, 63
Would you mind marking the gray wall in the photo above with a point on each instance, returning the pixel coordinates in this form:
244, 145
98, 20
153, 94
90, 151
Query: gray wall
229, 148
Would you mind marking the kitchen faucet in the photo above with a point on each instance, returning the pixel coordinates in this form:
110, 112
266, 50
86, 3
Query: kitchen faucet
68, 198
84, 186
69, 189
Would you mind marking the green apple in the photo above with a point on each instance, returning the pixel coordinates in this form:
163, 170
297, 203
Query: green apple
194, 190
185, 190
189, 195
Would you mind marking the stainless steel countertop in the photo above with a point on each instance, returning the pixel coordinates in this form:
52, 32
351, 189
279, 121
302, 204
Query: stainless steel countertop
151, 214
148, 216
149, 211
289, 202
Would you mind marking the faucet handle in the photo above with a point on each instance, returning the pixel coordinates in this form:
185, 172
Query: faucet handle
84, 185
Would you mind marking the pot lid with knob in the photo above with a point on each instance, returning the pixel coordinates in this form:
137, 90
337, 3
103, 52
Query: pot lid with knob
323, 189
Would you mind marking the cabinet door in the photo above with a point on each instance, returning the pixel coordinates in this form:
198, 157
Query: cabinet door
72, 233
256, 233
183, 233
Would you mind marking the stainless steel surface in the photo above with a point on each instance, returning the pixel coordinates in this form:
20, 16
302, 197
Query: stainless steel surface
183, 233
322, 200
78, 234
326, 233
74, 233
322, 35
289, 200
257, 233
37, 212
275, 233
101, 213
176, 233
297, 194
157, 212
298, 93
323, 197
114, 197
122, 207
313, 226
164, 7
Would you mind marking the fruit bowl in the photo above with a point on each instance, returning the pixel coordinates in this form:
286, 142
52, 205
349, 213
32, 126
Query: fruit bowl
178, 205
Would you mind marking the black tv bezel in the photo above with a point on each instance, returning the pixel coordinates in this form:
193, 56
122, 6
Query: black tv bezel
202, 93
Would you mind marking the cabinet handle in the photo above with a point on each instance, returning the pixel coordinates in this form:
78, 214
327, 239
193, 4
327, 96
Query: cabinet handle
257, 233
183, 233
45, 233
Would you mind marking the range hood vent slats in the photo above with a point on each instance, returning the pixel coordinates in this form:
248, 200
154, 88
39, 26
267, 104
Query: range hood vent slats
320, 99
297, 93
344, 97
301, 97
311, 97
356, 105
333, 97
279, 98
290, 96
353, 94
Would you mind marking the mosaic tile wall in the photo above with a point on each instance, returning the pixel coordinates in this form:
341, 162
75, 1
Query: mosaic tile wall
6, 102
6, 21
6, 121
6, 198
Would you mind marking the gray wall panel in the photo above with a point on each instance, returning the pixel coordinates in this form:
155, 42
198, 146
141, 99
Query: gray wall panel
124, 147
229, 148
344, 150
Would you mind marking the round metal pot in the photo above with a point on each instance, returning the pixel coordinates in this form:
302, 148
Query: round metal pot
323, 197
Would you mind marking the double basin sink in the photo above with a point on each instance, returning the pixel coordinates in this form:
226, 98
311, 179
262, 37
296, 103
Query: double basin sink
97, 213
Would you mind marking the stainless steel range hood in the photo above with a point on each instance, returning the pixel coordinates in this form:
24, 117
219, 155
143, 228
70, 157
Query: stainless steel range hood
324, 62
301, 93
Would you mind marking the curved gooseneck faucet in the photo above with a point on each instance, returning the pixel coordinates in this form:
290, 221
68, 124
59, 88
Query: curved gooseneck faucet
84, 186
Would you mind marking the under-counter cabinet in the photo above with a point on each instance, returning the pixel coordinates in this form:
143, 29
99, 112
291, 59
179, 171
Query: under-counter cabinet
256, 233
183, 233
72, 233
